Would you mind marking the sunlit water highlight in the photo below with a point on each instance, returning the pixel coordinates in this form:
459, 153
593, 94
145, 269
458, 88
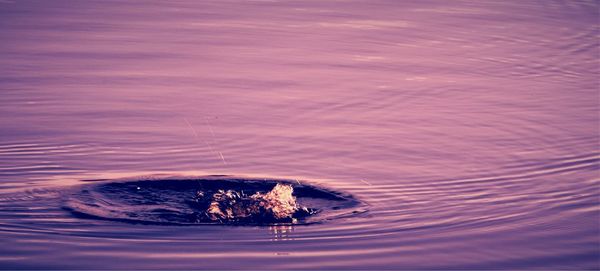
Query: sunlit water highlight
467, 130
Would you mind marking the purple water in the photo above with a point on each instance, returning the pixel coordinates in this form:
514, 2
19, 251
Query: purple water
469, 129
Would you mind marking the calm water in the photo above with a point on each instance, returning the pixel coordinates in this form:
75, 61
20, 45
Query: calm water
469, 129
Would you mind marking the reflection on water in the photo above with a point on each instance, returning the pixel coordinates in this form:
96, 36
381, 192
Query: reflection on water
281, 232
468, 131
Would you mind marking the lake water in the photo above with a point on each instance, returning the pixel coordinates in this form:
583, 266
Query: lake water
468, 130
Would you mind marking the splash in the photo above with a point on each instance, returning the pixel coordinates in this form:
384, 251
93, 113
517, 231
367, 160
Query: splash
278, 205
222, 200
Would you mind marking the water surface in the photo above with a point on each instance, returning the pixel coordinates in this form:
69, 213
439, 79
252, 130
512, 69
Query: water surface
469, 129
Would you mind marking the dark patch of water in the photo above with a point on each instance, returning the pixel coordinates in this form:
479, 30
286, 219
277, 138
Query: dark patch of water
177, 201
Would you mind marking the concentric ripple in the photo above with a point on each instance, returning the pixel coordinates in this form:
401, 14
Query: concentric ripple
187, 201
